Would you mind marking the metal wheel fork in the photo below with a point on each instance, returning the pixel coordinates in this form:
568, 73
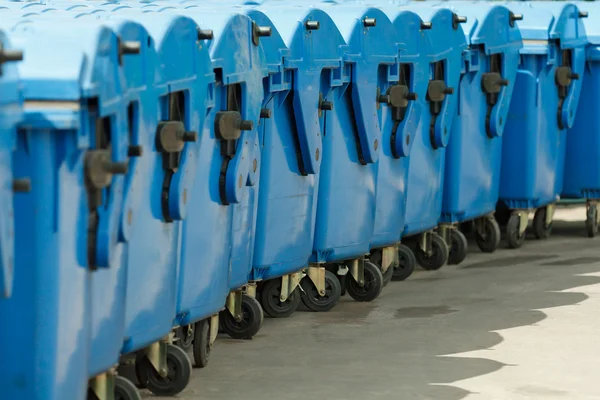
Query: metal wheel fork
290, 282
316, 273
234, 304
157, 355
445, 231
549, 215
523, 220
425, 243
214, 328
389, 258
357, 270
480, 225
103, 385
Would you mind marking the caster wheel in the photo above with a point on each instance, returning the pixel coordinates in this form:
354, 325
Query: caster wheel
202, 345
271, 303
591, 222
125, 389
439, 254
540, 230
252, 320
185, 337
179, 370
372, 287
406, 263
490, 240
514, 239
311, 298
458, 247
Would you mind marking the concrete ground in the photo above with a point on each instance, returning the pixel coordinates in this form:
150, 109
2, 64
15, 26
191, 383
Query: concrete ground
518, 324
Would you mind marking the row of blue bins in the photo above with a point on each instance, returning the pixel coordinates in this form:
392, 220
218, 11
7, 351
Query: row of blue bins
173, 169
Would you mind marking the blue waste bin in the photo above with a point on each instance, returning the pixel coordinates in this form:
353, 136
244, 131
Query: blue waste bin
201, 289
473, 155
289, 137
433, 64
226, 206
582, 171
348, 155
72, 145
380, 98
543, 107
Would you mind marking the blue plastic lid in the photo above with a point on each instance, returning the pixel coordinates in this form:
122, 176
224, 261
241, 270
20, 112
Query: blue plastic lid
591, 24
488, 26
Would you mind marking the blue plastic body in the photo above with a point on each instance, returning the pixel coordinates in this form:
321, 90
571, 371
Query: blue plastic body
582, 163
442, 44
70, 84
287, 198
535, 135
474, 152
346, 196
219, 236
188, 291
373, 50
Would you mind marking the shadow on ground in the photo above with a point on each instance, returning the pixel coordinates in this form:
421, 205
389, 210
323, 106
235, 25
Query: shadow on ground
400, 346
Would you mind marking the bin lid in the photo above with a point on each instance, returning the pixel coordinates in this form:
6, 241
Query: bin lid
488, 26
310, 34
408, 30
10, 87
591, 25
445, 37
550, 21
274, 46
368, 31
233, 48
567, 25
63, 66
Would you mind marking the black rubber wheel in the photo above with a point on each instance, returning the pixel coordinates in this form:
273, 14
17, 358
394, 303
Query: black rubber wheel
202, 345
125, 389
490, 240
406, 263
315, 302
439, 254
591, 222
252, 320
185, 337
458, 247
179, 370
372, 287
271, 302
513, 238
540, 230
